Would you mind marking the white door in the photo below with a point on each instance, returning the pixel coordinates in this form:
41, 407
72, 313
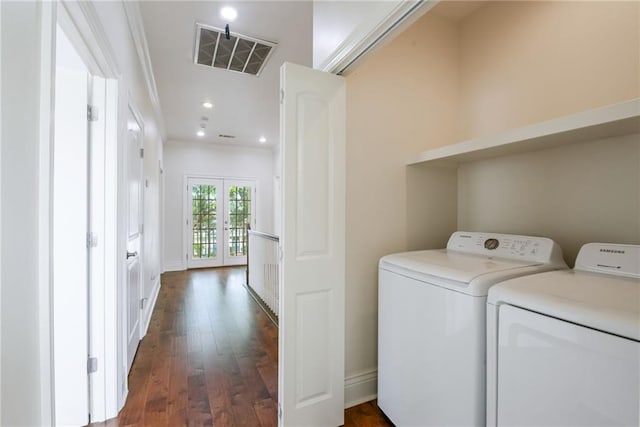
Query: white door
134, 232
239, 211
69, 247
204, 222
311, 347
218, 211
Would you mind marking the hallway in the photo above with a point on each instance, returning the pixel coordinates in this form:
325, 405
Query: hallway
210, 357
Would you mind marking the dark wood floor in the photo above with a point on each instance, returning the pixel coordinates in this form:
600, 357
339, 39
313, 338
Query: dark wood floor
210, 357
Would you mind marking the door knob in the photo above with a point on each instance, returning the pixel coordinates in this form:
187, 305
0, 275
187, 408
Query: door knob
131, 254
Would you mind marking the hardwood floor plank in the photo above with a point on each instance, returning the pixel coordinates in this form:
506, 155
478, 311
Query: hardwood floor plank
267, 412
366, 415
210, 357
178, 385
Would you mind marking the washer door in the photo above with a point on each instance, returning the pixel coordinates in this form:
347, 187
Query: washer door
552, 373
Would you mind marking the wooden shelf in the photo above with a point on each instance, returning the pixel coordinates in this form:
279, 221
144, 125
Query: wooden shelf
614, 120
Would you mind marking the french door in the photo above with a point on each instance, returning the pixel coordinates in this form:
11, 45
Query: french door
218, 212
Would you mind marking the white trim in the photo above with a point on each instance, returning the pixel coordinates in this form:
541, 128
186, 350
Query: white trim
354, 47
360, 388
48, 22
83, 27
95, 48
136, 25
0, 211
111, 277
150, 305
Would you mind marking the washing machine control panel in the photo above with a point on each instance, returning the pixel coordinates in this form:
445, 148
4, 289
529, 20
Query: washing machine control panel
511, 246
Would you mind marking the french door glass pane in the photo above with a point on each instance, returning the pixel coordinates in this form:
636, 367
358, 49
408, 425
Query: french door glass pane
239, 217
204, 219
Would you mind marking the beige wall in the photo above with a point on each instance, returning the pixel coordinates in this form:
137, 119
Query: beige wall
397, 101
573, 194
504, 65
526, 62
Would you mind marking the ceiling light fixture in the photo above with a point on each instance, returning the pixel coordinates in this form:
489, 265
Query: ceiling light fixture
228, 13
262, 140
207, 104
200, 133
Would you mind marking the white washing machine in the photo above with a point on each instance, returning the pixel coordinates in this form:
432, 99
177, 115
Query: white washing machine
563, 348
431, 323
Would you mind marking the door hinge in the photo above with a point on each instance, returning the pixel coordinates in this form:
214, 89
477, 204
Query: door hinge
92, 240
92, 113
142, 153
142, 228
279, 410
142, 303
92, 365
281, 96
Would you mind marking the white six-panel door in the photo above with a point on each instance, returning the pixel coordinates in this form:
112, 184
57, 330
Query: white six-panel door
311, 347
134, 232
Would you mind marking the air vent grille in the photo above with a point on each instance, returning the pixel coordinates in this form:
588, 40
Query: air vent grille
240, 53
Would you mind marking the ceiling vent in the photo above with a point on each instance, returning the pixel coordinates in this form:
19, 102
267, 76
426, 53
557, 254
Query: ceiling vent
240, 53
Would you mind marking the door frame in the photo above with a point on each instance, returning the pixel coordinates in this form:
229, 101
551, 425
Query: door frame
186, 209
85, 31
71, 211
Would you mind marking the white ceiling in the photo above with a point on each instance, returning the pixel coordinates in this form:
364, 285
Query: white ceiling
244, 106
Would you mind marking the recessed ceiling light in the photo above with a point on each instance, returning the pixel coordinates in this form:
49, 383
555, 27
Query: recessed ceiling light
262, 140
228, 13
200, 133
207, 104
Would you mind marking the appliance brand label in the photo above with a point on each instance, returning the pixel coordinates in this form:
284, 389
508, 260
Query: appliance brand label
613, 251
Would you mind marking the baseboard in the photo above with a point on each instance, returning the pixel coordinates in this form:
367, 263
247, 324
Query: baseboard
360, 388
150, 305
173, 266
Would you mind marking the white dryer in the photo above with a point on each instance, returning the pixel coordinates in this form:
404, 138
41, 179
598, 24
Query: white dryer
431, 323
563, 348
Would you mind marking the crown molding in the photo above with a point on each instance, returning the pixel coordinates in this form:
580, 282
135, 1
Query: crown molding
359, 43
136, 26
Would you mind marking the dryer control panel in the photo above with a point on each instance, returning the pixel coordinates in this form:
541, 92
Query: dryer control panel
510, 246
621, 260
